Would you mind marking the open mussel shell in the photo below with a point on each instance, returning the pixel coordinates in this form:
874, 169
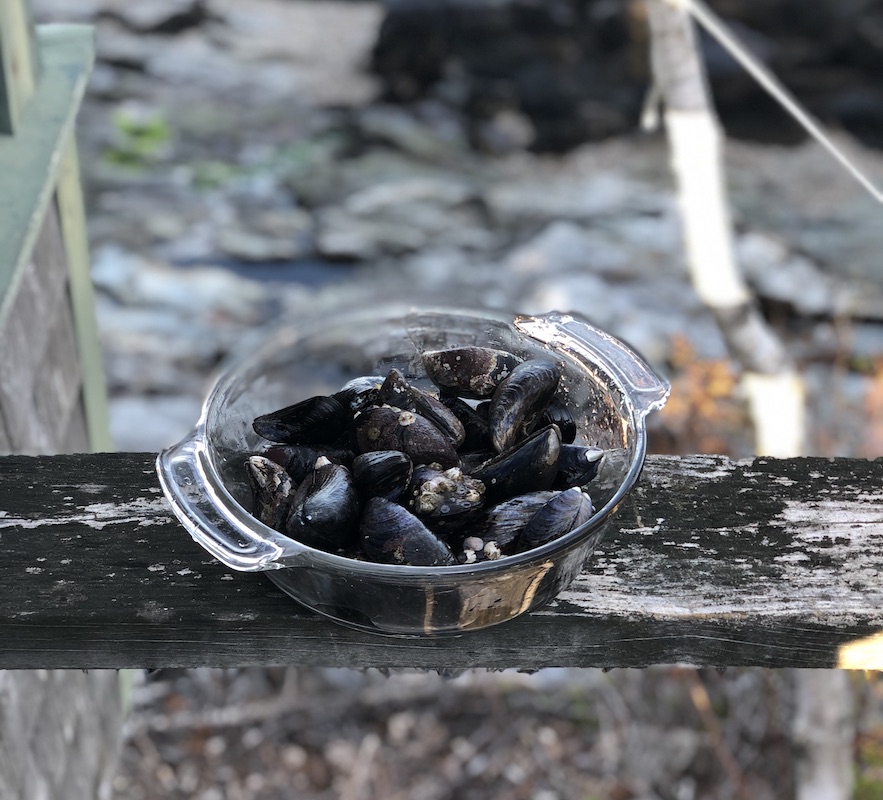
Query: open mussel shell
324, 509
561, 514
469, 371
530, 466
519, 399
391, 534
382, 473
316, 420
271, 488
577, 465
387, 428
397, 392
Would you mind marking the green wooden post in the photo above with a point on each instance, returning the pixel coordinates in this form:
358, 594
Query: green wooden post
48, 388
60, 730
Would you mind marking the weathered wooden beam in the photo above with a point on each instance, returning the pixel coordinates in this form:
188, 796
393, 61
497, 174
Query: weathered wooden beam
716, 562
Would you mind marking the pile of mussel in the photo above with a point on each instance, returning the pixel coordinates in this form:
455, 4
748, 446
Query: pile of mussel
386, 471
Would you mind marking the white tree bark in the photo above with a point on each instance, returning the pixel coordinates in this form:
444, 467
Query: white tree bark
823, 732
823, 727
774, 391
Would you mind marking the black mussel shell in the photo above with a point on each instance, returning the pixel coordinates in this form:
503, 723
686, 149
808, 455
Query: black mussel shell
391, 534
437, 493
530, 466
520, 399
469, 462
504, 522
360, 392
475, 427
387, 428
317, 420
299, 459
577, 465
397, 392
382, 473
324, 510
469, 371
271, 489
564, 512
557, 413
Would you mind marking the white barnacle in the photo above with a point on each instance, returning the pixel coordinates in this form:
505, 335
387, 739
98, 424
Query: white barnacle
492, 551
407, 418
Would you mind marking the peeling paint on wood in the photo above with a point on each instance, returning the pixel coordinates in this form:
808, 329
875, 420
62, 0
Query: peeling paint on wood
715, 562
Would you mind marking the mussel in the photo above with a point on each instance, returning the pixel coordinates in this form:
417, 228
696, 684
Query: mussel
577, 465
469, 371
359, 393
391, 534
271, 489
442, 494
299, 459
503, 522
397, 392
385, 470
316, 420
388, 428
324, 509
382, 473
519, 399
476, 432
530, 466
561, 514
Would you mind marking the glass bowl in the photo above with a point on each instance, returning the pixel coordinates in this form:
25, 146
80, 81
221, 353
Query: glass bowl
610, 390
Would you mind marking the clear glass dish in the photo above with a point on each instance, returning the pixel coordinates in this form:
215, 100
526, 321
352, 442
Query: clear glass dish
610, 391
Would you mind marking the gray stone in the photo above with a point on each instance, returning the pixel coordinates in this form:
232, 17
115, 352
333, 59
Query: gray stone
401, 216
782, 275
564, 246
192, 292
316, 50
282, 234
191, 59
397, 127
150, 15
118, 45
548, 198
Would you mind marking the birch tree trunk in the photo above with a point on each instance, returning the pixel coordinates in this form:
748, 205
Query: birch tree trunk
823, 725
774, 391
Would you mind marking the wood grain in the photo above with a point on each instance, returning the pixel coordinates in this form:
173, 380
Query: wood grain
716, 562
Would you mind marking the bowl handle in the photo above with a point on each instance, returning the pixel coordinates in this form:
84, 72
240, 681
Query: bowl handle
647, 391
187, 484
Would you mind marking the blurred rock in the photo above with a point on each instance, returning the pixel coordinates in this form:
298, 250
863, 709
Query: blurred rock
321, 44
281, 234
394, 126
578, 69
156, 16
401, 216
